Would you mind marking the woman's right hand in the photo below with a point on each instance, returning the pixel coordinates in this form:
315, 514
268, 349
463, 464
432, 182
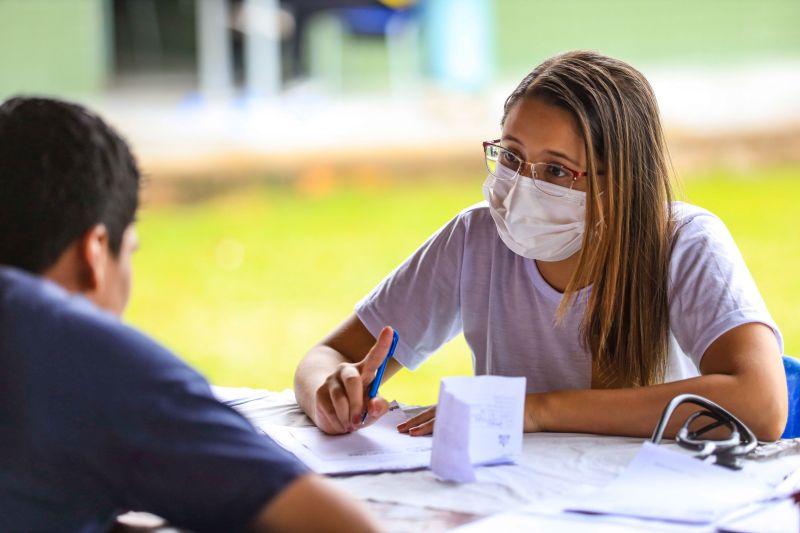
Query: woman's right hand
342, 398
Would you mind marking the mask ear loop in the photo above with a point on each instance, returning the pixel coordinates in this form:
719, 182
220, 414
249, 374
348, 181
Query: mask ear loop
726, 452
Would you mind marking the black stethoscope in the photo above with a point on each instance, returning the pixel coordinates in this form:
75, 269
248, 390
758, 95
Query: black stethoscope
726, 452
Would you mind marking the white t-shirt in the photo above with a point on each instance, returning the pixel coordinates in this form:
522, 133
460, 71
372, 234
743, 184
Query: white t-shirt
464, 278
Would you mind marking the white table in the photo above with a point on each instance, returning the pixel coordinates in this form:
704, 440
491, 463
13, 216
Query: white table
552, 465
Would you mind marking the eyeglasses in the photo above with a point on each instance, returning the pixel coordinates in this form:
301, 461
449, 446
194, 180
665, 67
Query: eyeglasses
724, 452
504, 164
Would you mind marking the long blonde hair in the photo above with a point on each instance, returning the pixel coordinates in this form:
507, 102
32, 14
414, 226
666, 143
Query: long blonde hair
627, 243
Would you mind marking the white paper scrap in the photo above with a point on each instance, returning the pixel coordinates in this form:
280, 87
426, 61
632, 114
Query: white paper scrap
479, 421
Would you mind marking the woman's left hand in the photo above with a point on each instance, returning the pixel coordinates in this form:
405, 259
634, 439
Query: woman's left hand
422, 424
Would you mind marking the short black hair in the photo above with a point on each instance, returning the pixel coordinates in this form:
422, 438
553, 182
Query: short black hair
62, 171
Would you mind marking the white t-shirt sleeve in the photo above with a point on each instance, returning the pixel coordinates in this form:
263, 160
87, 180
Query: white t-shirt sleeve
711, 289
421, 297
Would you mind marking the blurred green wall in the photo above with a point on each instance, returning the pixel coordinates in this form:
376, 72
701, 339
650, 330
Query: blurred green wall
643, 32
53, 46
63, 46
646, 32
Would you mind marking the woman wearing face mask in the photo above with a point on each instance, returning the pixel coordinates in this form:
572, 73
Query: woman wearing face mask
579, 272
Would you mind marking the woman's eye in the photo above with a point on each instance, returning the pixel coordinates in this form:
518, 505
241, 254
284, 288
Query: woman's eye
557, 172
510, 158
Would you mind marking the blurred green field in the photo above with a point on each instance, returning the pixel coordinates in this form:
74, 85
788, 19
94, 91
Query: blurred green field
243, 284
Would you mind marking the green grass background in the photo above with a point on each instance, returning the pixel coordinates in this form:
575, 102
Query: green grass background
241, 285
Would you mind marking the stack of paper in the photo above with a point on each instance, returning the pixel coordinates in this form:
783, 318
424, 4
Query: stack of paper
661, 491
376, 448
666, 485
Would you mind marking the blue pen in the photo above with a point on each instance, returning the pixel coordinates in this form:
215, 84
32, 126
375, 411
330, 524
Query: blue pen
373, 389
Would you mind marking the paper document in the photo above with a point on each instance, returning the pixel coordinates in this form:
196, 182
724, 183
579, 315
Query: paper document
773, 517
663, 484
523, 522
376, 448
478, 422
234, 396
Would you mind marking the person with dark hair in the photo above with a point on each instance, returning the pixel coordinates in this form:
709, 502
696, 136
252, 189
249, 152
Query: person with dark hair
578, 272
95, 417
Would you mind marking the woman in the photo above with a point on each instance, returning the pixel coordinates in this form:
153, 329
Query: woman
579, 272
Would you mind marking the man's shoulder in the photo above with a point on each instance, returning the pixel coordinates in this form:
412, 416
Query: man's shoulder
49, 326
33, 308
27, 292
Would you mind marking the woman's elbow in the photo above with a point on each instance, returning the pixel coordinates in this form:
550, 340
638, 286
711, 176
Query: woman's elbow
768, 415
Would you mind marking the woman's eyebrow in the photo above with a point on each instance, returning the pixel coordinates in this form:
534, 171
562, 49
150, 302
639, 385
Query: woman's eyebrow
555, 153
562, 155
512, 138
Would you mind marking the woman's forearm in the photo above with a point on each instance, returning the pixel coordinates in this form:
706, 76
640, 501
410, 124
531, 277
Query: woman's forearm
635, 411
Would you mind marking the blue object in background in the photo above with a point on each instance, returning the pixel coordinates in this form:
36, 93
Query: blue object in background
366, 20
792, 368
459, 39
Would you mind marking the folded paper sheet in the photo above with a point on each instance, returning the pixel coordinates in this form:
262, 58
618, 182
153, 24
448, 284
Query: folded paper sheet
478, 422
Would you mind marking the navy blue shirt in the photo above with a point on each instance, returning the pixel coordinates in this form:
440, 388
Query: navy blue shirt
96, 419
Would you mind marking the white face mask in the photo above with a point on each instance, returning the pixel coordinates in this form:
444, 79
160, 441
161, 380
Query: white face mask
534, 224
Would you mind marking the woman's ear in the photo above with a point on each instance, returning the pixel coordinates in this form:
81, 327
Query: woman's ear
93, 250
